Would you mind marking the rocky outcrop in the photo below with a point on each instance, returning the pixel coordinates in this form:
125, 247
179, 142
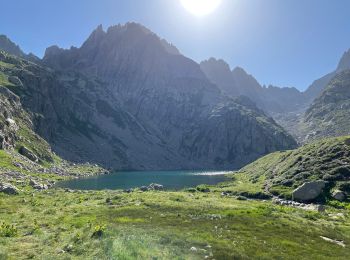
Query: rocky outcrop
8, 188
155, 186
38, 186
309, 191
7, 45
9, 108
28, 153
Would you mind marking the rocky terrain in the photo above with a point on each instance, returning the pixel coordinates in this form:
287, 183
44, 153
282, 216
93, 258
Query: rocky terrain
315, 172
127, 99
288, 106
329, 114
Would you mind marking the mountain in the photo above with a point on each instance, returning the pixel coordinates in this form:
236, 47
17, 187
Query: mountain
10, 47
329, 114
319, 85
238, 82
127, 99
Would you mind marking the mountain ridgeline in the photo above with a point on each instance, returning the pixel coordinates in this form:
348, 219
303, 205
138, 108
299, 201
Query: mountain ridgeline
238, 82
127, 99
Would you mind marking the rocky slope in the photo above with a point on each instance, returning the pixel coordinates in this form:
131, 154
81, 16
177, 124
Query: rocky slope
129, 100
288, 106
329, 114
319, 85
10, 47
326, 161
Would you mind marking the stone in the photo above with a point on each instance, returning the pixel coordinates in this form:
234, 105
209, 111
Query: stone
143, 188
11, 123
38, 186
309, 191
155, 186
2, 139
8, 188
320, 208
338, 195
28, 153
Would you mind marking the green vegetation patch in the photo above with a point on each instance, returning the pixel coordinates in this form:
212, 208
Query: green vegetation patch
115, 225
281, 172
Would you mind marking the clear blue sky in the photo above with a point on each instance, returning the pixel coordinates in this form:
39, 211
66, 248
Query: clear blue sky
280, 42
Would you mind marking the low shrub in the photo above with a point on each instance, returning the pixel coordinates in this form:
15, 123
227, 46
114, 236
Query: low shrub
7, 230
99, 230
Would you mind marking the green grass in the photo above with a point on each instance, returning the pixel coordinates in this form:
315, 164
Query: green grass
6, 161
4, 80
154, 225
282, 172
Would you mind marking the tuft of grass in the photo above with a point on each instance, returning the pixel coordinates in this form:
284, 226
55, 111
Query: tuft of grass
8, 230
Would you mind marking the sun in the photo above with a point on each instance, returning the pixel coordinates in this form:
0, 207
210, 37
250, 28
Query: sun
200, 7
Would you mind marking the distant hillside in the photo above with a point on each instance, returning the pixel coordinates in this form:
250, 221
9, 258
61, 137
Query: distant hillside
282, 172
329, 114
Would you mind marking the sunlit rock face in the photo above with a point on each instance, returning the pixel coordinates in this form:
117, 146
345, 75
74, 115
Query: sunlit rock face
152, 108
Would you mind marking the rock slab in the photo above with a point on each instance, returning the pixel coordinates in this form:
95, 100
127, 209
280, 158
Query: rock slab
309, 190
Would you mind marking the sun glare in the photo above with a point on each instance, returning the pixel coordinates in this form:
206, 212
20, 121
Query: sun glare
200, 7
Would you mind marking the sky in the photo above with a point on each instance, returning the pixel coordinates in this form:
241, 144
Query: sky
287, 43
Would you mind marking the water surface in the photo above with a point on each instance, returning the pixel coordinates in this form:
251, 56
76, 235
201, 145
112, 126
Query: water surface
173, 180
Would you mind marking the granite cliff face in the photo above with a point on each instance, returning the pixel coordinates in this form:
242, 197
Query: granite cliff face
127, 99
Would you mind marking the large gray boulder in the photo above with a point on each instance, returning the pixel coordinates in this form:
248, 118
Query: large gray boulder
28, 153
8, 188
309, 190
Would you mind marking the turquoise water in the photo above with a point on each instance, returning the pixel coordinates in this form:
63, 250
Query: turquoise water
172, 180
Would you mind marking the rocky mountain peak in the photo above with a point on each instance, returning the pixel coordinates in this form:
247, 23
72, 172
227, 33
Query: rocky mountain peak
216, 64
344, 62
10, 47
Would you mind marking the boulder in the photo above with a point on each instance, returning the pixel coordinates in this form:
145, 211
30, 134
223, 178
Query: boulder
38, 186
28, 153
338, 195
8, 189
143, 188
309, 191
155, 186
15, 80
